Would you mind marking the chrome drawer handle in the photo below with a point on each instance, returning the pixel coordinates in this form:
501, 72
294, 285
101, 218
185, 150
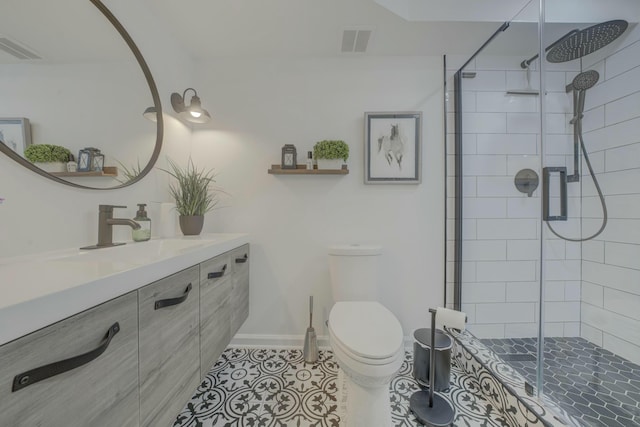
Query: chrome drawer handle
242, 260
173, 301
42, 373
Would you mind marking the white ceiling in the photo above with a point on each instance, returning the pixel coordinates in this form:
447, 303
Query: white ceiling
72, 30
225, 28
556, 11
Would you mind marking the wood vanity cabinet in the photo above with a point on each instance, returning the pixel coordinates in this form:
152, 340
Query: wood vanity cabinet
100, 391
239, 287
215, 310
169, 357
140, 357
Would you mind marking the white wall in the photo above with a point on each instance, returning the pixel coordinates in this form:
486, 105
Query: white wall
611, 262
260, 105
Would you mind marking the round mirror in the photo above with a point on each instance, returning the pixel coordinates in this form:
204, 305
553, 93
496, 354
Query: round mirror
72, 79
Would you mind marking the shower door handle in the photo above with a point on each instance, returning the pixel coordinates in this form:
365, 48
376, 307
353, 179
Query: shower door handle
546, 180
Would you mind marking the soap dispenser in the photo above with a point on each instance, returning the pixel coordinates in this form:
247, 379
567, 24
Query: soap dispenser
144, 232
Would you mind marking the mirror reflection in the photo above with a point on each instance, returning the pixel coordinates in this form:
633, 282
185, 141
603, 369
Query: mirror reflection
70, 82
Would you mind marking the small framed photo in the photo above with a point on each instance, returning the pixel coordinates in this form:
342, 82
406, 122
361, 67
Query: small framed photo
15, 133
392, 147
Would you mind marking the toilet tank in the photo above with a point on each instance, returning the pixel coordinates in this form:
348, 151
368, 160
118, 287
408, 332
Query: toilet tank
354, 272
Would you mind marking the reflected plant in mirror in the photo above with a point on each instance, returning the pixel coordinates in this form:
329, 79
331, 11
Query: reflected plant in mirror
128, 173
48, 157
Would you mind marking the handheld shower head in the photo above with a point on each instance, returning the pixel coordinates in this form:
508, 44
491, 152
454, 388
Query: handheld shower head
580, 84
585, 80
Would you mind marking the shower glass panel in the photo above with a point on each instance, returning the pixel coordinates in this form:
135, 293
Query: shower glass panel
500, 272
592, 108
548, 204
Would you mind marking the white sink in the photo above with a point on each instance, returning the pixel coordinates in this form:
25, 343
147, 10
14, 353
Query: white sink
138, 252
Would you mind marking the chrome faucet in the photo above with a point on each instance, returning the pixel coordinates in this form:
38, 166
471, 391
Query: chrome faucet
106, 221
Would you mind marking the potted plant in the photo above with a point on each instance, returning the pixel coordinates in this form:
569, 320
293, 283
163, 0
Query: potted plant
330, 154
193, 194
50, 158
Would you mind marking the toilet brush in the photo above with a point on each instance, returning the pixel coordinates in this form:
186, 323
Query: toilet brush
310, 351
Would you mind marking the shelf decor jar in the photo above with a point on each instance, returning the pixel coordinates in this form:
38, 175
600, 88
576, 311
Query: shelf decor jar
330, 154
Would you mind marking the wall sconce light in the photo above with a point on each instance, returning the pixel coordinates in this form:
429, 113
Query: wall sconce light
194, 112
151, 114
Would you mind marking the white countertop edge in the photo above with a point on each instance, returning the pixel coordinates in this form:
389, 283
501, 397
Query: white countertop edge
29, 316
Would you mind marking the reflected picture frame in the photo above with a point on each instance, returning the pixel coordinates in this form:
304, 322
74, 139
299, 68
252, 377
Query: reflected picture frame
15, 133
393, 147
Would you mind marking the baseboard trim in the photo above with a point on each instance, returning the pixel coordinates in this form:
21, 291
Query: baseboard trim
288, 341
276, 341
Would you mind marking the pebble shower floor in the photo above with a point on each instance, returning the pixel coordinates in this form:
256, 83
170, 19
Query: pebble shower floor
275, 388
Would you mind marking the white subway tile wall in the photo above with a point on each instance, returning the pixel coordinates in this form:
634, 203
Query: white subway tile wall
611, 264
501, 253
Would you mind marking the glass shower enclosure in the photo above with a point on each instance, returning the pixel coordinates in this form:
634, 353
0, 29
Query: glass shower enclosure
545, 203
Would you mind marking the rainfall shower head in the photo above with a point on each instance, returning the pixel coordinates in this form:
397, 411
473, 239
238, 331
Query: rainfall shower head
580, 43
585, 80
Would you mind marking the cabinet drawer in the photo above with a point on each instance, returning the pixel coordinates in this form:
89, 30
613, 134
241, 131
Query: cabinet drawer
101, 392
215, 318
169, 346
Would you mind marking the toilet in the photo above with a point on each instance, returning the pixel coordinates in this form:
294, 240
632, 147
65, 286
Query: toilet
366, 338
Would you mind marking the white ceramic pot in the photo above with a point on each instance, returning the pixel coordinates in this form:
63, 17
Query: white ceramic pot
330, 163
52, 166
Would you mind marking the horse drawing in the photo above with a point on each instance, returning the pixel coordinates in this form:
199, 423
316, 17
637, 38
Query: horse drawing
392, 146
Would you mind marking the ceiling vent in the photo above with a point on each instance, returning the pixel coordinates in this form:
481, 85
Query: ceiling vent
16, 50
356, 40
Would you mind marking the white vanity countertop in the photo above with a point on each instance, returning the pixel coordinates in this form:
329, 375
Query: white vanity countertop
41, 289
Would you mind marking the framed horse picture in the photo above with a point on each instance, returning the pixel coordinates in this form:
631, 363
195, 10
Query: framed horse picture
392, 147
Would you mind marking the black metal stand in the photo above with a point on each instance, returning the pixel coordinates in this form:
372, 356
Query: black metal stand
429, 408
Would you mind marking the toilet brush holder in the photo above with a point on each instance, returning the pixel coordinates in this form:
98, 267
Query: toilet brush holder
310, 350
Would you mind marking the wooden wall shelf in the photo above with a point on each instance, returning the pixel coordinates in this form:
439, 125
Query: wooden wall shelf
109, 171
302, 170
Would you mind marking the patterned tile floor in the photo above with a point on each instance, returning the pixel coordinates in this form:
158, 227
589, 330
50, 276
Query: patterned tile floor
590, 383
269, 387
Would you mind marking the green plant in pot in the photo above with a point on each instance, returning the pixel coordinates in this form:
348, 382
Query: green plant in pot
51, 158
193, 194
330, 154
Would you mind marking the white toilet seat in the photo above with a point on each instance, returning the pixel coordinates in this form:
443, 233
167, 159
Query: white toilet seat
337, 345
366, 331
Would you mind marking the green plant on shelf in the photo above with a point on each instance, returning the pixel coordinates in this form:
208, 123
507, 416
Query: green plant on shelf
47, 153
331, 150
